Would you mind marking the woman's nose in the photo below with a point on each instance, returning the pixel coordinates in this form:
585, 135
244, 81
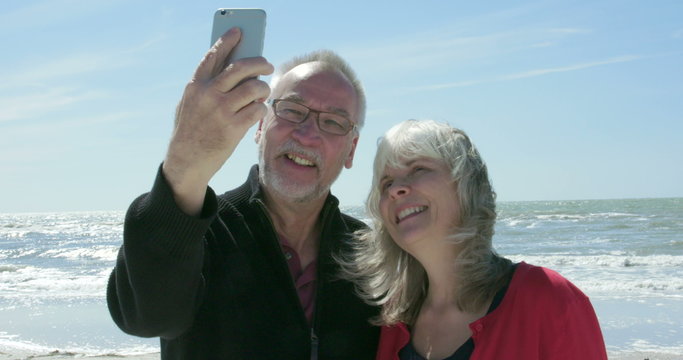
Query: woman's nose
398, 189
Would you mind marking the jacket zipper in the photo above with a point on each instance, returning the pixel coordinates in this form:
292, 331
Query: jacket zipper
318, 289
314, 345
284, 266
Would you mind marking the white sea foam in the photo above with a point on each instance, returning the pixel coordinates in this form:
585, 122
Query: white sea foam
615, 275
100, 252
571, 217
646, 346
10, 344
630, 288
24, 349
52, 224
16, 253
616, 259
8, 268
28, 284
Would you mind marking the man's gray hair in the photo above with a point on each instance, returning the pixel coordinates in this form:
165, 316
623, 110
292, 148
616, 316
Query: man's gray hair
331, 61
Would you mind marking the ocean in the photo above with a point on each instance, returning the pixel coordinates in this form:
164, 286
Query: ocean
626, 255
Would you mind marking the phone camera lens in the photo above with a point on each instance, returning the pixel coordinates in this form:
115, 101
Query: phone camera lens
222, 12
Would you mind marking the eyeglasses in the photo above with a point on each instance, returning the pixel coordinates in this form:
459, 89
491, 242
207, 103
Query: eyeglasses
328, 122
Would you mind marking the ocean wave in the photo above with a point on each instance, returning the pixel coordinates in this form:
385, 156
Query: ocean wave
646, 346
9, 268
616, 259
617, 275
571, 217
11, 344
589, 216
106, 253
101, 252
58, 224
600, 285
30, 284
16, 253
14, 226
598, 221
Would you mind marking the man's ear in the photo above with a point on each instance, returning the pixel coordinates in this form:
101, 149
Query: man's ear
349, 159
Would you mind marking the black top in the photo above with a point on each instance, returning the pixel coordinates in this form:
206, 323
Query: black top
217, 286
465, 350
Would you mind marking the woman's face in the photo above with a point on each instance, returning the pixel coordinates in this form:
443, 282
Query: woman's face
418, 202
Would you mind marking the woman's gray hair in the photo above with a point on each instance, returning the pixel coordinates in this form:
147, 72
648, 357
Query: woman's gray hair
331, 61
387, 275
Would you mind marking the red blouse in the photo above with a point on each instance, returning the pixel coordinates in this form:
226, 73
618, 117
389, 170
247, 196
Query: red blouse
542, 316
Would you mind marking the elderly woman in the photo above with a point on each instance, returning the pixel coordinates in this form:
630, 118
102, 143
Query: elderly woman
428, 261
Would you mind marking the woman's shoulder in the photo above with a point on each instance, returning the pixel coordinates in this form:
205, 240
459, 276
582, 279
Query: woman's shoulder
392, 339
543, 283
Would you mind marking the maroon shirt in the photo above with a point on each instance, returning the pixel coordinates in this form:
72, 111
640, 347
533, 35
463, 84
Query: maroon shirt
304, 279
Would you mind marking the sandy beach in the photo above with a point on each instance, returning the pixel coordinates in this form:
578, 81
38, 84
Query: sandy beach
644, 356
155, 356
62, 355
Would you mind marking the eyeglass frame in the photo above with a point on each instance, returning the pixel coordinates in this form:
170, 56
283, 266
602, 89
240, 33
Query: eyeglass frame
273, 103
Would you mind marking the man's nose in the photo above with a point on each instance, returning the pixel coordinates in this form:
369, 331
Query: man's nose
307, 130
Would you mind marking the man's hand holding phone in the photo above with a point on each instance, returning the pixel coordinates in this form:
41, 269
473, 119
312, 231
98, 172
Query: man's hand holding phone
219, 105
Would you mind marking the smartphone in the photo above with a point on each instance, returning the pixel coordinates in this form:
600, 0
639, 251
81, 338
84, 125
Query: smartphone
252, 23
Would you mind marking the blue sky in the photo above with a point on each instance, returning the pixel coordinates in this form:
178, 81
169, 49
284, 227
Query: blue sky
564, 99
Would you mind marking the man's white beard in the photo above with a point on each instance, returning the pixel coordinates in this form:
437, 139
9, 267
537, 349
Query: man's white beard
284, 187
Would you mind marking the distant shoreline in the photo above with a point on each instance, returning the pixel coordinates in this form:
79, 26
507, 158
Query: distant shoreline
342, 205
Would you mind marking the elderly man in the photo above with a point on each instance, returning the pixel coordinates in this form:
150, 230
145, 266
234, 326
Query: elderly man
249, 274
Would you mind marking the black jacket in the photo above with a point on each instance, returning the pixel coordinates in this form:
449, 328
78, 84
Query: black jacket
218, 286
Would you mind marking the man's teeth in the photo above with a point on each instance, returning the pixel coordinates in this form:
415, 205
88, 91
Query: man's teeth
410, 211
300, 161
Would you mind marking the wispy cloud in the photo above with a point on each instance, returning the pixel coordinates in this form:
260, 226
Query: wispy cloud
69, 66
27, 143
100, 57
540, 72
509, 34
41, 87
570, 30
47, 13
430, 49
529, 74
42, 102
67, 124
450, 85
542, 44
